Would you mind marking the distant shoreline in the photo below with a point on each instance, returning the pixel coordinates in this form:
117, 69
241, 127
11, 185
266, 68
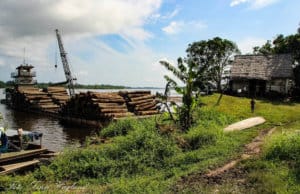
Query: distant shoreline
86, 86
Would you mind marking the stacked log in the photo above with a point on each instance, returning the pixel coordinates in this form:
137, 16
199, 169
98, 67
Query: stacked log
96, 106
59, 95
140, 102
31, 98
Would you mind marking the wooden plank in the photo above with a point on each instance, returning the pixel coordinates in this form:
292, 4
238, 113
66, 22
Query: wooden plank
17, 166
5, 157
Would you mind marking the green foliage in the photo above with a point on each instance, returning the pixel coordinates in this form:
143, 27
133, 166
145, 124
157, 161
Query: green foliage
122, 127
199, 137
284, 147
139, 159
185, 72
141, 151
211, 57
98, 86
282, 45
2, 84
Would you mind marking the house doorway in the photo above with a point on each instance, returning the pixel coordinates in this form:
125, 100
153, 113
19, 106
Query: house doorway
257, 88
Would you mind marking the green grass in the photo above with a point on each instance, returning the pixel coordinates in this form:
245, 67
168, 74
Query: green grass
141, 159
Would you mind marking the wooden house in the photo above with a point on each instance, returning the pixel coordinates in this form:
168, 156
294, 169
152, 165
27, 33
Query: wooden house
257, 75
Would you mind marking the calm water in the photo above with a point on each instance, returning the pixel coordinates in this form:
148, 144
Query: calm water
56, 135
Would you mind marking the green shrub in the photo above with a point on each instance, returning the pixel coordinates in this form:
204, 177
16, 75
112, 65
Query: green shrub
142, 151
207, 116
199, 137
121, 127
284, 147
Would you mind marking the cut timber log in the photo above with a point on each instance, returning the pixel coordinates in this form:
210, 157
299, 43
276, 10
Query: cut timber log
49, 106
114, 110
118, 115
146, 97
111, 105
151, 106
95, 106
141, 102
147, 112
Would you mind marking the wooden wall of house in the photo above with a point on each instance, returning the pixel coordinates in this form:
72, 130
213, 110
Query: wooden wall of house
240, 86
282, 85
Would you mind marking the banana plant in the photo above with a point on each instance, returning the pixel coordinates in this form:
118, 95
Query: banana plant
186, 72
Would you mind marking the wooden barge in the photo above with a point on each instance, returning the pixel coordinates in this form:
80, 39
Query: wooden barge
89, 108
23, 151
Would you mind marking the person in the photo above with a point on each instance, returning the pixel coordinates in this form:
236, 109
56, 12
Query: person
4, 141
252, 103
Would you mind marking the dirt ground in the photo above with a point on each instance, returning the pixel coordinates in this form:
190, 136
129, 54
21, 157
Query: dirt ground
229, 173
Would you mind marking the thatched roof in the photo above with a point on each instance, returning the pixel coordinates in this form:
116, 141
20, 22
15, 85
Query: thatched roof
263, 67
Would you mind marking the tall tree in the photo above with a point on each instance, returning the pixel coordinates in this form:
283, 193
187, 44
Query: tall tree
214, 54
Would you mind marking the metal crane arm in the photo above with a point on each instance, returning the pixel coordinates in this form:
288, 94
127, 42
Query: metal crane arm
64, 60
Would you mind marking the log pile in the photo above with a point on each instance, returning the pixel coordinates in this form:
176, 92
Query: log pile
96, 106
31, 98
140, 102
59, 95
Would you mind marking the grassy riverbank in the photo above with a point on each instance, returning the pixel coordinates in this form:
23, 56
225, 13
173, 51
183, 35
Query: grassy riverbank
139, 158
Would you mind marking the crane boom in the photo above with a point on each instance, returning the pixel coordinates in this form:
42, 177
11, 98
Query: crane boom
64, 60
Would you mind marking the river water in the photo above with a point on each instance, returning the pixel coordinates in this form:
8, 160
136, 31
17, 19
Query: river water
56, 135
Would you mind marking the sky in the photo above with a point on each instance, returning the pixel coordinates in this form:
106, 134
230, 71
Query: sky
121, 42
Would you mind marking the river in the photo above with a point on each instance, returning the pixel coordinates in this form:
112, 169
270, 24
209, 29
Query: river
56, 135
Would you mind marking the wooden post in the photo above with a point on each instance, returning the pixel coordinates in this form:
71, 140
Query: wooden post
20, 134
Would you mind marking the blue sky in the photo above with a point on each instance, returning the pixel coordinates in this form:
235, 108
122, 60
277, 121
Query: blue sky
121, 41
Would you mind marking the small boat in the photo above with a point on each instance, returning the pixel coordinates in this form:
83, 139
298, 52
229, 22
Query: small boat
24, 151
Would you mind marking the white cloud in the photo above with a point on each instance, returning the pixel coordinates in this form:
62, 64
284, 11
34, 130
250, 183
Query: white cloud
237, 2
31, 24
254, 4
165, 16
176, 27
246, 45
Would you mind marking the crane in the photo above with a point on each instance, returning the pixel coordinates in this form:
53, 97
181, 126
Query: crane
64, 60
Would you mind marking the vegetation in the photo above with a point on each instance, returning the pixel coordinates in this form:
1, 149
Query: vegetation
2, 84
205, 63
97, 86
214, 54
186, 72
284, 45
139, 158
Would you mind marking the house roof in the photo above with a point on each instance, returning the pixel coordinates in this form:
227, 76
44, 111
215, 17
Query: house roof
263, 67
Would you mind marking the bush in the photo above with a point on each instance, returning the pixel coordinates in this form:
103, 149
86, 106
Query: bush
121, 127
142, 151
199, 137
284, 147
